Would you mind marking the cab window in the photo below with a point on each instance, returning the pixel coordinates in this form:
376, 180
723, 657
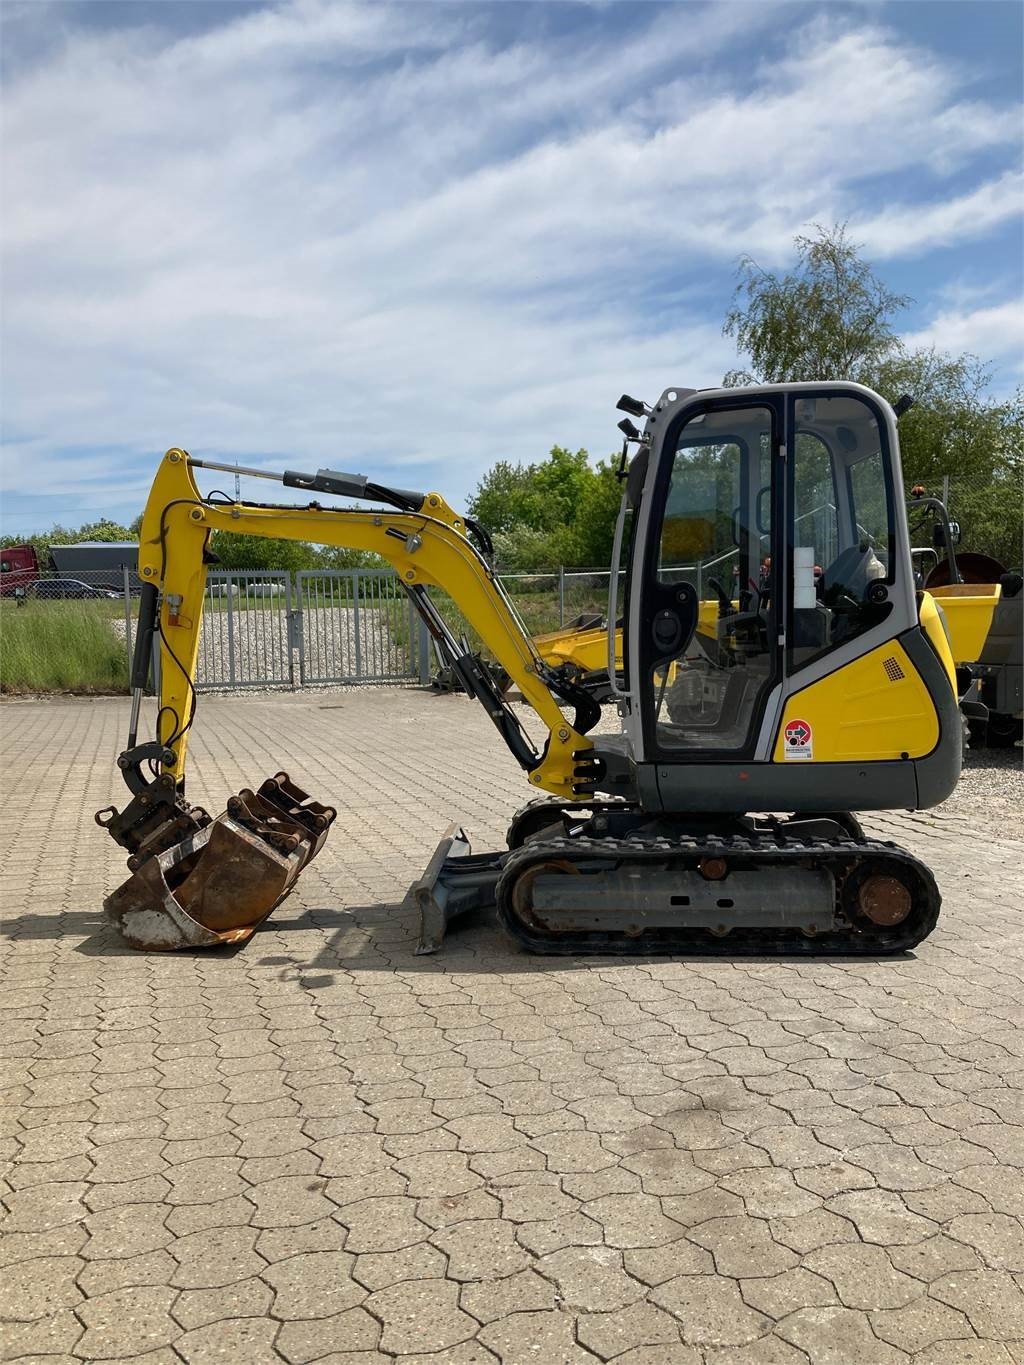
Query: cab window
715, 537
841, 526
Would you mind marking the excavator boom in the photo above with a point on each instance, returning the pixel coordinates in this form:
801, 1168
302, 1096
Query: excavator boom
198, 881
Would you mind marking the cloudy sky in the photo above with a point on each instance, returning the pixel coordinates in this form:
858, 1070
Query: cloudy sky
410, 239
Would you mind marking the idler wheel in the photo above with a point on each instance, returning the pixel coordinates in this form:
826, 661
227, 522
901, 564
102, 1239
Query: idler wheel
522, 892
884, 900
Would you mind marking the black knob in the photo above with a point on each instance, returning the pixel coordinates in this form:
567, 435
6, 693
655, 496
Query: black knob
667, 630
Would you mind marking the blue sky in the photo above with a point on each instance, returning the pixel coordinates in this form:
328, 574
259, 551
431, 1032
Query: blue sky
411, 239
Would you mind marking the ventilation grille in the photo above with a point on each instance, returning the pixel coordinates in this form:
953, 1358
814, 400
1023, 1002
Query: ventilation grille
892, 669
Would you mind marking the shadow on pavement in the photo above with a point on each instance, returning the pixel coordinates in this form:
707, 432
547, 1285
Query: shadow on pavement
381, 938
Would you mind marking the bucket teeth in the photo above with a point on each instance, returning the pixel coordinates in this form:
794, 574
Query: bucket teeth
216, 885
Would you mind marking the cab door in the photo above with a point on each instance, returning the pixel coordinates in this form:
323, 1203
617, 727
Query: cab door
704, 623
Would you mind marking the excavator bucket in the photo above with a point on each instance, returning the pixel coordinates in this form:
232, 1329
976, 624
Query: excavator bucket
221, 881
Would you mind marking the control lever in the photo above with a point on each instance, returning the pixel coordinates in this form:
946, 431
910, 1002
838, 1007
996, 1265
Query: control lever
725, 606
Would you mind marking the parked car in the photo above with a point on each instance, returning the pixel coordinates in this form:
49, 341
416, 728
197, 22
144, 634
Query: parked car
68, 587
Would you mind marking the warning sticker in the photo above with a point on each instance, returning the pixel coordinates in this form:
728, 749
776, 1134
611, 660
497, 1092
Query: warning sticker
798, 739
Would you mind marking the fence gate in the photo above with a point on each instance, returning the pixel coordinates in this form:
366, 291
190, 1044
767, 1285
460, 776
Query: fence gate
355, 625
247, 634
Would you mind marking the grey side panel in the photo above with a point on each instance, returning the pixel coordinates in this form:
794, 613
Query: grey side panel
938, 772
647, 785
1001, 666
809, 787
1005, 641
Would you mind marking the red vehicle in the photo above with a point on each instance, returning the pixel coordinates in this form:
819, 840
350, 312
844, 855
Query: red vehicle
19, 566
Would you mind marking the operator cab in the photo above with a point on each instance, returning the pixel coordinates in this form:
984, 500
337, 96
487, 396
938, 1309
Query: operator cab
763, 555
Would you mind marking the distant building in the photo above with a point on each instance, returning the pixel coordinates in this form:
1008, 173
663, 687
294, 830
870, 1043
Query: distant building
102, 562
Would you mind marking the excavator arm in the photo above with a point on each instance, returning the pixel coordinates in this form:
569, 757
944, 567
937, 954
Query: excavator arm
216, 879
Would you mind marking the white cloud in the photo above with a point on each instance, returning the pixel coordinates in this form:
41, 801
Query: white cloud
373, 235
906, 229
995, 331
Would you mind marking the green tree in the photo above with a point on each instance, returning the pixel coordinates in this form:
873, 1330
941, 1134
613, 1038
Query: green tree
832, 317
502, 497
560, 510
261, 552
331, 557
597, 514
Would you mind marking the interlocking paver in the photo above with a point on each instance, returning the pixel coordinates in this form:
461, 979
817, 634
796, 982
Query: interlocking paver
420, 1315
920, 1324
838, 1336
710, 1310
323, 1148
864, 1277
481, 1250
244, 1299
536, 1336
590, 1278
743, 1247
36, 1288
354, 1330
102, 1277
248, 1339
630, 1328
127, 1322
215, 1257
526, 1292
991, 1299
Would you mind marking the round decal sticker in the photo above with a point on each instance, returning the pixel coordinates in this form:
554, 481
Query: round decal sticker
798, 739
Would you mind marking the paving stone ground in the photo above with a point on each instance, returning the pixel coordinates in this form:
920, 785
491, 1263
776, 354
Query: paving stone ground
322, 1148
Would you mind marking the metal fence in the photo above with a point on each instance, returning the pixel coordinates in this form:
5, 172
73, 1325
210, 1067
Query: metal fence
247, 637
355, 625
275, 629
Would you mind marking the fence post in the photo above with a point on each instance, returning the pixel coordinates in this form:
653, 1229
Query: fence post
561, 596
289, 627
229, 585
128, 617
297, 636
413, 652
355, 623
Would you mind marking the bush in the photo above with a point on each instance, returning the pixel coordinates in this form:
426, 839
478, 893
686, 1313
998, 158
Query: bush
60, 647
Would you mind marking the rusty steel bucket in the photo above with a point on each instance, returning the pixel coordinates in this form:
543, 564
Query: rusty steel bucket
221, 881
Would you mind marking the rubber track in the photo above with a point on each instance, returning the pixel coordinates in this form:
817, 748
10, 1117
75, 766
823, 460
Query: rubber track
848, 859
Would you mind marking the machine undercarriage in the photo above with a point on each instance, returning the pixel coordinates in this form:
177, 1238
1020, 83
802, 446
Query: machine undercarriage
605, 877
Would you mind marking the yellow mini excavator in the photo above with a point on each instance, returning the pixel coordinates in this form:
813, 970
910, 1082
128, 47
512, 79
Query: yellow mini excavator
779, 672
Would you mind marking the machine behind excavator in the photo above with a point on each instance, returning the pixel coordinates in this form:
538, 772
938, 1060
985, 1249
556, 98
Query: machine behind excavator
761, 704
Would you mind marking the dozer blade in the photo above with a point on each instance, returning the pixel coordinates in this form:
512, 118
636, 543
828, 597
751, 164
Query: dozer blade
218, 884
456, 880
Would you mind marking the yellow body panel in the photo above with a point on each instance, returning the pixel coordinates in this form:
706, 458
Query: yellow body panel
425, 547
874, 708
935, 623
968, 608
588, 649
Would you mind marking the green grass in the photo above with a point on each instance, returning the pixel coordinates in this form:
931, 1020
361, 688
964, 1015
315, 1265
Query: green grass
60, 647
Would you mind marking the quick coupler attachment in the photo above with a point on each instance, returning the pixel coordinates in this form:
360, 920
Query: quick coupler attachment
222, 880
456, 881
